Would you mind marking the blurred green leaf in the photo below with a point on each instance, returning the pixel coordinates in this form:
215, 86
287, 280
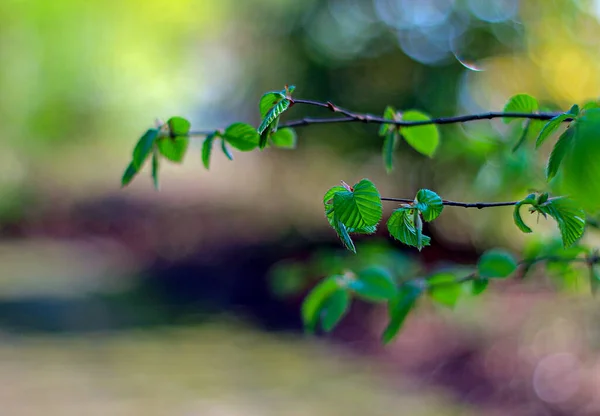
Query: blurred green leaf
574, 110
388, 114
226, 150
560, 150
342, 232
360, 207
207, 150
143, 148
479, 285
285, 138
517, 213
241, 136
496, 263
520, 103
569, 217
334, 308
398, 309
179, 126
155, 168
523, 136
314, 301
401, 226
271, 119
389, 144
550, 128
444, 289
424, 139
128, 175
268, 101
173, 148
430, 204
374, 284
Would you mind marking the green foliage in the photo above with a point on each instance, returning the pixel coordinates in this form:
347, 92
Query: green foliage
334, 308
226, 150
388, 114
241, 136
404, 226
551, 127
520, 103
530, 200
429, 204
399, 307
374, 284
424, 139
271, 119
143, 148
178, 126
155, 167
173, 148
327, 302
496, 263
207, 150
359, 207
560, 150
128, 175
268, 101
479, 285
389, 145
569, 217
444, 289
285, 138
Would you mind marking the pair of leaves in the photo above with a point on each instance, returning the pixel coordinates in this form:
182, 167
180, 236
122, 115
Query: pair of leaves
423, 138
406, 223
327, 303
569, 217
272, 105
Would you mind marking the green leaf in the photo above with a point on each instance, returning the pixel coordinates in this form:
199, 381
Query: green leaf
388, 114
444, 289
402, 227
590, 105
334, 308
328, 197
207, 150
518, 219
551, 127
520, 103
155, 167
560, 150
569, 217
574, 110
496, 263
268, 101
143, 148
314, 301
128, 175
226, 150
270, 119
360, 207
285, 138
523, 136
398, 309
424, 139
389, 144
430, 204
342, 232
374, 284
179, 126
241, 136
173, 148
479, 285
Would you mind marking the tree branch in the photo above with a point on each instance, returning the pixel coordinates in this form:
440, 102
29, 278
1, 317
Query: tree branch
478, 205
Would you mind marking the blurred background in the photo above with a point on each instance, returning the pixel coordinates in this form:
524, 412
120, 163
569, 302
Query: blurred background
186, 301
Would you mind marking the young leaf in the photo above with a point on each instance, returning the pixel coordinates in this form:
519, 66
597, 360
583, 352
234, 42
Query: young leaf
430, 204
285, 138
207, 149
128, 175
268, 101
241, 136
173, 148
520, 103
179, 126
388, 114
143, 148
334, 308
328, 197
389, 143
496, 263
561, 148
155, 168
398, 309
523, 136
374, 284
424, 139
518, 219
551, 127
342, 232
444, 289
270, 119
574, 110
569, 217
226, 150
313, 302
360, 207
401, 226
479, 285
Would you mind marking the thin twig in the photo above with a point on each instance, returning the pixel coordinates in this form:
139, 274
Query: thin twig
478, 205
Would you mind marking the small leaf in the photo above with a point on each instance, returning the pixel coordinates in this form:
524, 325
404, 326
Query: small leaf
523, 136
569, 217
359, 208
173, 148
496, 263
561, 148
520, 103
444, 289
143, 148
155, 167
388, 114
207, 149
179, 126
313, 302
226, 150
328, 197
518, 219
334, 308
424, 139
551, 127
401, 226
479, 285
241, 136
270, 119
128, 175
285, 138
374, 284
389, 144
430, 204
268, 101
398, 309
574, 110
342, 232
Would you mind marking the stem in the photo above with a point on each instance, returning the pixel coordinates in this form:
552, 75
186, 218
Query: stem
478, 205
